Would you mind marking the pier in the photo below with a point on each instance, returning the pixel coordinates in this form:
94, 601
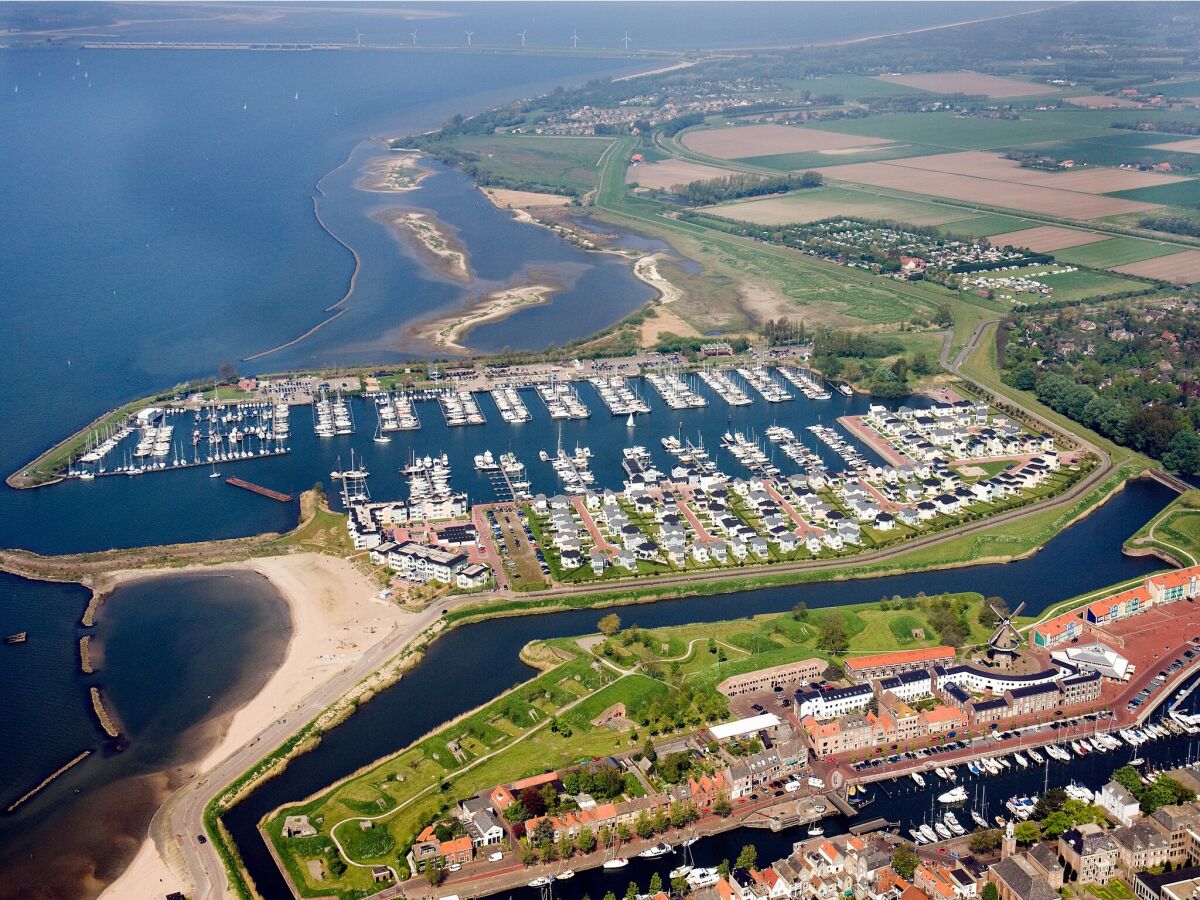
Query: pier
260, 490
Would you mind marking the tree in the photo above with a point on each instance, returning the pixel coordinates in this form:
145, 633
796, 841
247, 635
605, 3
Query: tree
648, 751
833, 672
1050, 802
680, 886
990, 892
610, 896
585, 840
1183, 455
533, 802
831, 636
723, 868
656, 884
748, 858
1026, 833
642, 825
228, 372
721, 806
435, 871
609, 625
800, 611
987, 617
985, 841
904, 861
631, 892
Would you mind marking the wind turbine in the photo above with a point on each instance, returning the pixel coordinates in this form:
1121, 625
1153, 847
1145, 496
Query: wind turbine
414, 37
575, 39
625, 40
469, 33
358, 36
521, 35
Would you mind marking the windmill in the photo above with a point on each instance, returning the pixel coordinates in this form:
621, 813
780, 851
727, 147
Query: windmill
469, 34
521, 35
413, 35
575, 39
625, 40
1005, 642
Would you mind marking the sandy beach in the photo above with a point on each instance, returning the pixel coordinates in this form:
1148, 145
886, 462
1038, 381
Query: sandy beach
646, 269
522, 200
434, 242
391, 174
446, 333
336, 616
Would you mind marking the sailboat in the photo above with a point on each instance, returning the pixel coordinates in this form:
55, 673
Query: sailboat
380, 437
297, 97
214, 473
629, 422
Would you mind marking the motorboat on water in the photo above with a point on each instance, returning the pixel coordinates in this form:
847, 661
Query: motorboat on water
918, 779
659, 849
565, 875
541, 881
956, 794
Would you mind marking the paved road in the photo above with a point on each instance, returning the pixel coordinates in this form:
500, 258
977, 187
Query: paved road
186, 807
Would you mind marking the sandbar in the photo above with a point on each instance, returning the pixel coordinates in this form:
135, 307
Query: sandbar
392, 174
447, 332
646, 270
433, 241
336, 616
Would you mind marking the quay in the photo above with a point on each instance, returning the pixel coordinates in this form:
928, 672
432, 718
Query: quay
259, 489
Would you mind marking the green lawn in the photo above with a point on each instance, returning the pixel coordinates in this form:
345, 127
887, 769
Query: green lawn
1077, 285
1176, 529
1184, 192
830, 200
548, 162
1114, 252
988, 224
787, 162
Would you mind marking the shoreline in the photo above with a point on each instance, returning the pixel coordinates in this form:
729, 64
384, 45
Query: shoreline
395, 173
446, 333
336, 617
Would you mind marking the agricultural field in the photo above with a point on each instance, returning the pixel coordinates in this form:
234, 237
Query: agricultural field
993, 166
985, 225
1022, 197
1116, 146
552, 163
768, 140
848, 87
1177, 193
969, 83
1045, 238
794, 162
1187, 145
1179, 268
1114, 252
670, 172
1077, 285
825, 202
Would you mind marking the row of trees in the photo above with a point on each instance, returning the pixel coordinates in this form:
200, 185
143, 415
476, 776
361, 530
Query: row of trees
539, 844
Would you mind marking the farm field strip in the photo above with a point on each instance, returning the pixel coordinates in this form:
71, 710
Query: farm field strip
823, 203
768, 140
669, 172
1021, 197
985, 164
969, 83
1189, 145
1177, 267
1044, 238
1115, 251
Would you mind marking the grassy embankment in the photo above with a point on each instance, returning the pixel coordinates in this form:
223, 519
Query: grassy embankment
512, 736
1175, 531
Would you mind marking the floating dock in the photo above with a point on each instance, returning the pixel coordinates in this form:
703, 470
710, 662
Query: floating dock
259, 489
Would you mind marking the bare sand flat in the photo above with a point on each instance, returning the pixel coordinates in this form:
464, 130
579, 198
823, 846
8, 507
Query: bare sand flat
446, 332
983, 164
670, 172
1044, 238
1181, 268
769, 140
1005, 195
1099, 101
1192, 145
801, 208
969, 83
525, 199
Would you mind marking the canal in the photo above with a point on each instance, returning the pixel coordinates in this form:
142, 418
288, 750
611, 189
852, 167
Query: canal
474, 663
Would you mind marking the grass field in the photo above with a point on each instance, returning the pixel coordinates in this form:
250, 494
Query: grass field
824, 202
982, 226
556, 164
954, 132
1076, 285
1112, 148
1114, 252
795, 162
1182, 193
1175, 530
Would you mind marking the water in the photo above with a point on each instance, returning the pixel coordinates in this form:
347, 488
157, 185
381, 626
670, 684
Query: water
173, 656
599, 25
447, 681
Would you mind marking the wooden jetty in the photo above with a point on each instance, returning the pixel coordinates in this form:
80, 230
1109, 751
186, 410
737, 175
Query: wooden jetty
259, 489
